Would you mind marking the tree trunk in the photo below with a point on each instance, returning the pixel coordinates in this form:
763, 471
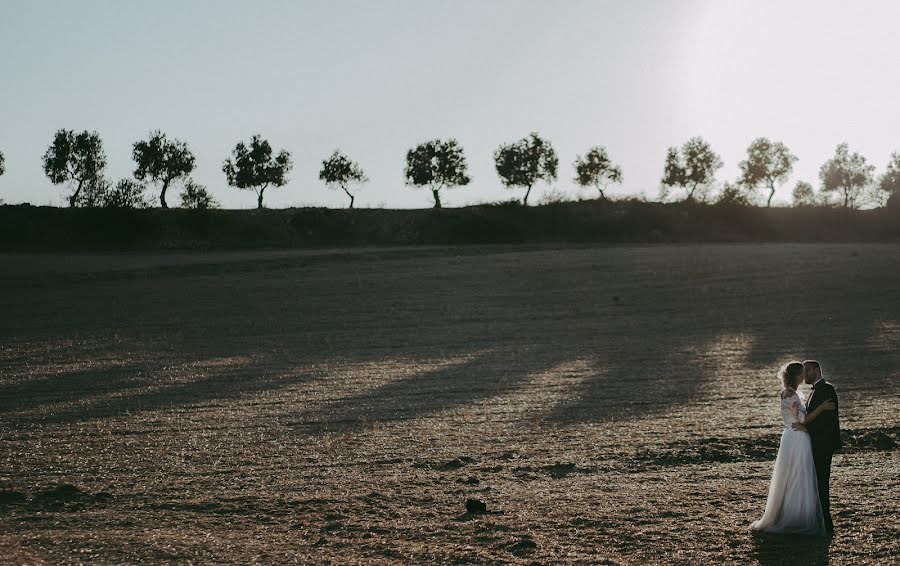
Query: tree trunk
528, 192
437, 198
74, 198
260, 198
771, 194
162, 194
349, 195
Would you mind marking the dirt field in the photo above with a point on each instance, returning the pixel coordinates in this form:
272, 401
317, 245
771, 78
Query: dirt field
610, 405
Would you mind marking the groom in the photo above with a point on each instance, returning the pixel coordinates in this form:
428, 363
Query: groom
824, 432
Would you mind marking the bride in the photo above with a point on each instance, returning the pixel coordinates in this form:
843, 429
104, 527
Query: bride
793, 504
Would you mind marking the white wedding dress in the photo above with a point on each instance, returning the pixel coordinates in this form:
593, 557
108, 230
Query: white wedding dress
793, 504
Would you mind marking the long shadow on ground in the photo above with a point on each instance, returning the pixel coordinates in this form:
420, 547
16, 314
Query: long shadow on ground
653, 327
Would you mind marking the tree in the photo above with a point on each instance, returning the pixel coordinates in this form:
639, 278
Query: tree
101, 192
75, 158
768, 163
162, 160
196, 197
888, 183
693, 167
849, 175
525, 162
804, 194
2, 164
256, 168
94, 193
437, 164
732, 194
596, 170
338, 171
127, 193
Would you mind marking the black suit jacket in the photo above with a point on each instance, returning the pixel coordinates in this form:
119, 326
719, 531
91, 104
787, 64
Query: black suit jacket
825, 431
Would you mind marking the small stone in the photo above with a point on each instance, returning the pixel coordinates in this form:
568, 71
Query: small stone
476, 506
457, 463
524, 545
884, 442
9, 497
332, 526
57, 497
103, 497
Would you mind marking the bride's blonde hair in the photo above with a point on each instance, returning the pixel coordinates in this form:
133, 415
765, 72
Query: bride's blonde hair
789, 373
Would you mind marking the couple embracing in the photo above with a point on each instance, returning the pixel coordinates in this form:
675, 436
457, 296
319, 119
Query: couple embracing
798, 501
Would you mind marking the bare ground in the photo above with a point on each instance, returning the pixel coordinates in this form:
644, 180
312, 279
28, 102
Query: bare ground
611, 405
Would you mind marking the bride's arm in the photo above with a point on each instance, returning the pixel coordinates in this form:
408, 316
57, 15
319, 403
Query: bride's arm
826, 406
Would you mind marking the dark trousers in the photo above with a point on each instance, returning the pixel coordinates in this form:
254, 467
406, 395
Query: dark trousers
822, 461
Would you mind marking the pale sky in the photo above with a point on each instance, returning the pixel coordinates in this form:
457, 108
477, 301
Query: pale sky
375, 77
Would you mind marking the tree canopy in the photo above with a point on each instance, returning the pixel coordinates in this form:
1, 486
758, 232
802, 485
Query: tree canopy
804, 194
196, 197
733, 195
597, 170
848, 175
100, 192
162, 160
256, 167
523, 163
93, 193
768, 163
339, 171
75, 158
692, 167
127, 193
2, 163
437, 164
889, 182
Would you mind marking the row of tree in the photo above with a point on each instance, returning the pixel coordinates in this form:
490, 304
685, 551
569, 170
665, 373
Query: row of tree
78, 161
770, 164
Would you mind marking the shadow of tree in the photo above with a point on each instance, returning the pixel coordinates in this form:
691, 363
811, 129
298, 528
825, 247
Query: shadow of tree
66, 386
207, 384
460, 383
